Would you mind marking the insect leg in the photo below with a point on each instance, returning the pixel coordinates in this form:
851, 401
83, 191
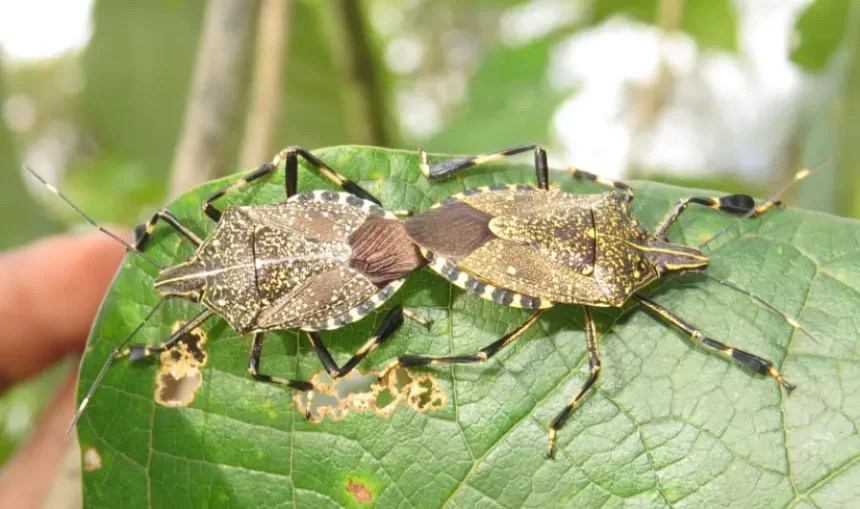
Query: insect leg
612, 184
143, 232
215, 214
751, 361
594, 366
737, 204
483, 355
447, 168
141, 350
427, 324
392, 321
254, 368
290, 156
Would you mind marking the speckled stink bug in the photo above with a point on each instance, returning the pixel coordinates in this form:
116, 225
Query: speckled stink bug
534, 247
317, 261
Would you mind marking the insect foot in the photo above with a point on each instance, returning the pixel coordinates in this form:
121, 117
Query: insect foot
180, 374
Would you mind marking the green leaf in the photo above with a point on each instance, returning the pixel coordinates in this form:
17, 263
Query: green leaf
644, 11
832, 132
20, 217
137, 70
822, 28
668, 424
318, 99
712, 23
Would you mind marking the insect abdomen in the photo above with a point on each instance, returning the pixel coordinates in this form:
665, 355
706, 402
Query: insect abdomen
454, 230
382, 251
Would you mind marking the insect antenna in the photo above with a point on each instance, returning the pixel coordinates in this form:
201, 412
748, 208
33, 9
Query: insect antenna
770, 202
791, 321
118, 353
88, 219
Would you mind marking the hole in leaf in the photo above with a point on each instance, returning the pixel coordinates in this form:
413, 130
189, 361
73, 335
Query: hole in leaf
92, 459
180, 375
362, 393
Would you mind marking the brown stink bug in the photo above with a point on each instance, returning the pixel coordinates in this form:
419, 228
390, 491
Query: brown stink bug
317, 261
535, 247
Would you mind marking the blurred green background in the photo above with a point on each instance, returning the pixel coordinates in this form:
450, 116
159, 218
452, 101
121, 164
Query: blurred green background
730, 95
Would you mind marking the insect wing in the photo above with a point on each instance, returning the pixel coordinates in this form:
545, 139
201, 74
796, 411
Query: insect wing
331, 293
228, 258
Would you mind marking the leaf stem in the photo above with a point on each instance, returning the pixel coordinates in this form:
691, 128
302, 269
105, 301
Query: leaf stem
847, 155
214, 100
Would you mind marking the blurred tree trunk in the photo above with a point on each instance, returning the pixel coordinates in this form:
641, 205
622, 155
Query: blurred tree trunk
21, 219
370, 122
848, 141
270, 64
217, 91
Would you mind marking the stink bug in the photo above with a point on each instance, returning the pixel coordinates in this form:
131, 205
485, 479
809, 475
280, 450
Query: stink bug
317, 261
535, 247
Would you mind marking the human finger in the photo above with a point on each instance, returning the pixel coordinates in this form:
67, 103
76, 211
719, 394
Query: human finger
26, 480
49, 293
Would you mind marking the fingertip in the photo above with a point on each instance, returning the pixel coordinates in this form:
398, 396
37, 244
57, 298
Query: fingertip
50, 291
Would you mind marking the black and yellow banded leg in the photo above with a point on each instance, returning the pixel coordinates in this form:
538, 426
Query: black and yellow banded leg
254, 368
483, 355
392, 321
290, 157
139, 351
143, 232
447, 168
594, 372
597, 179
737, 204
420, 320
215, 214
751, 361
770, 203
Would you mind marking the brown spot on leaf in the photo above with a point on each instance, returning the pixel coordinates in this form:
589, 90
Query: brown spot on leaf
424, 393
359, 491
364, 393
180, 375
